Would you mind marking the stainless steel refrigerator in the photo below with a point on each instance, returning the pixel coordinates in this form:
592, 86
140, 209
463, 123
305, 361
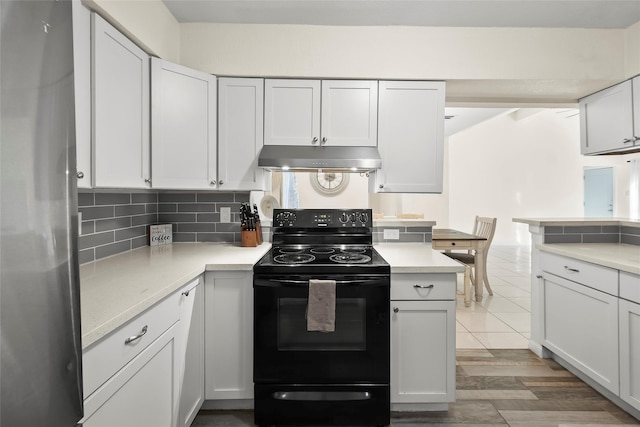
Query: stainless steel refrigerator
40, 345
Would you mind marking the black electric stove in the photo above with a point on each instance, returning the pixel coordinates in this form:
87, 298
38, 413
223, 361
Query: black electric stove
312, 378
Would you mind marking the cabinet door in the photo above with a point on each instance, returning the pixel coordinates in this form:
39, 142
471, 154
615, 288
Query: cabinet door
229, 335
240, 133
581, 326
410, 137
630, 353
82, 86
120, 109
191, 395
142, 393
183, 127
423, 351
349, 113
291, 112
606, 121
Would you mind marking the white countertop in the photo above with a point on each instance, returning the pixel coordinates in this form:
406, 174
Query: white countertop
614, 255
116, 289
417, 258
578, 221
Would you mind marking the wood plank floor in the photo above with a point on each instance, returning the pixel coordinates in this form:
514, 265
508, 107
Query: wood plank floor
495, 388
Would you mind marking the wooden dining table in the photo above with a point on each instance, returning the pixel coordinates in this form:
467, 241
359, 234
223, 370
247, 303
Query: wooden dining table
446, 239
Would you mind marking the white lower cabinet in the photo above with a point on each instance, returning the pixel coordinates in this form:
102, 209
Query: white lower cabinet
229, 335
150, 371
142, 393
630, 339
423, 348
580, 320
191, 393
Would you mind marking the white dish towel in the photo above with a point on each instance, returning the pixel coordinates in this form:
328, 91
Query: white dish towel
321, 307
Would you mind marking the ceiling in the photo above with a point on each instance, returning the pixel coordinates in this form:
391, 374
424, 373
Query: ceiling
438, 13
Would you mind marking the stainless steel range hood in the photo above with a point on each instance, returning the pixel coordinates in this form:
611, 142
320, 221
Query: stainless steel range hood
308, 158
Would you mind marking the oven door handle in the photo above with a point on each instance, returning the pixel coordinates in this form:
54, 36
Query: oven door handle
306, 282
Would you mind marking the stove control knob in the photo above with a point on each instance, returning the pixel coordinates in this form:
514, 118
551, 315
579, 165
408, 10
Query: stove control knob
363, 217
344, 217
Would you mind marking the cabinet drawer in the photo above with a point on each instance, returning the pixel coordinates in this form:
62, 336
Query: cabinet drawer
423, 286
630, 286
451, 244
595, 276
110, 354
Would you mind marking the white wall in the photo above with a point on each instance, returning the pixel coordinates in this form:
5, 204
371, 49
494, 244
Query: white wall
354, 196
529, 168
470, 59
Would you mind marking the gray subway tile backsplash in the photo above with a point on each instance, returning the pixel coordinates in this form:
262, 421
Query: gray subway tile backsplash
592, 234
114, 222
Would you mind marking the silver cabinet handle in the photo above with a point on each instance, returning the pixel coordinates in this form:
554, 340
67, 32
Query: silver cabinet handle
213, 182
396, 309
573, 270
80, 174
136, 337
314, 140
423, 286
539, 276
628, 140
324, 140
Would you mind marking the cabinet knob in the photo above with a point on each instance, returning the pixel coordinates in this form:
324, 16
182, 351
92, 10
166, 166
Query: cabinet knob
314, 140
324, 140
80, 174
381, 186
628, 140
538, 276
220, 182
147, 180
185, 293
213, 182
396, 309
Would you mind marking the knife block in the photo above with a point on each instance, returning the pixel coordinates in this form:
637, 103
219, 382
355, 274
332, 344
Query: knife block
249, 238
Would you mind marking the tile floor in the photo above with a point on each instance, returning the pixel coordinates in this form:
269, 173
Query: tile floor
501, 321
496, 388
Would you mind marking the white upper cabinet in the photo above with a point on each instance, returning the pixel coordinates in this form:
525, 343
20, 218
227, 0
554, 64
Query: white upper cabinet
410, 137
314, 112
120, 109
183, 127
291, 112
607, 118
349, 113
240, 133
82, 86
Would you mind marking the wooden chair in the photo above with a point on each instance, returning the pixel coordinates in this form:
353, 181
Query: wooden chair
485, 227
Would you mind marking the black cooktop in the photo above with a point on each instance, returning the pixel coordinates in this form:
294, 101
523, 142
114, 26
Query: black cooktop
351, 259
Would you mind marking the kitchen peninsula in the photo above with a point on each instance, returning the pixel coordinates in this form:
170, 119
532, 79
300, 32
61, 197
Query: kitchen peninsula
585, 301
145, 297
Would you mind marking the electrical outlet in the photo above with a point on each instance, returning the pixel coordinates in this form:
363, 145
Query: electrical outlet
225, 214
391, 234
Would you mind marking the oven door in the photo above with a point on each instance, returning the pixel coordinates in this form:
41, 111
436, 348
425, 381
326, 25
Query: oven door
356, 353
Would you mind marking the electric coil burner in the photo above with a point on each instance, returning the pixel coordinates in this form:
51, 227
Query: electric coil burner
322, 378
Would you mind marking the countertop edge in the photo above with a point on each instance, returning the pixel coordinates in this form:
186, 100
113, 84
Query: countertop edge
577, 221
588, 252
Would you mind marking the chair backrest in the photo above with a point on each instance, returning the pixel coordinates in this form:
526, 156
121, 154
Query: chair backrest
485, 227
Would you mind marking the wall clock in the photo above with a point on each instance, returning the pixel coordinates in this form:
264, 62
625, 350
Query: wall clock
329, 183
